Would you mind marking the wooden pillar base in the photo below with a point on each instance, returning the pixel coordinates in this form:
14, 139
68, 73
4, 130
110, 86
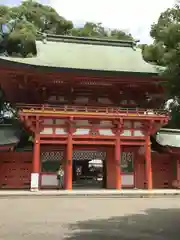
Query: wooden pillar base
34, 182
36, 164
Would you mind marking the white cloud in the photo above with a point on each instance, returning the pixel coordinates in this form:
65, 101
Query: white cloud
135, 16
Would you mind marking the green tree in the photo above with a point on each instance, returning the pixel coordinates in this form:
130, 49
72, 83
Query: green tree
165, 51
31, 17
43, 17
121, 35
97, 30
89, 30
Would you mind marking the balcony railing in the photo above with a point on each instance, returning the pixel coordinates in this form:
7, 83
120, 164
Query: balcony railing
90, 109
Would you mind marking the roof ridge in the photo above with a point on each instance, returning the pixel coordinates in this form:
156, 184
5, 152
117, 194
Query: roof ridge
87, 40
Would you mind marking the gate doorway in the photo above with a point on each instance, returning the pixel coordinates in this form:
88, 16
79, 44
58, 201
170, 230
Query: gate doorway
89, 169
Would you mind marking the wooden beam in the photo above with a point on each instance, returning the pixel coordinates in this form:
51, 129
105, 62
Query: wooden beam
93, 142
132, 143
93, 115
53, 141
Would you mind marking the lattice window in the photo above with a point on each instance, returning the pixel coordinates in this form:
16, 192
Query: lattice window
52, 156
77, 155
88, 155
127, 161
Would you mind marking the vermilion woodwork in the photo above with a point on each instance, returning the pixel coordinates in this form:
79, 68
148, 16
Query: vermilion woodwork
68, 162
36, 157
14, 165
118, 162
31, 90
148, 163
36, 154
47, 142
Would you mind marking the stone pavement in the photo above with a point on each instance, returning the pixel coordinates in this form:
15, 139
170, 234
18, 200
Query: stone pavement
96, 193
55, 218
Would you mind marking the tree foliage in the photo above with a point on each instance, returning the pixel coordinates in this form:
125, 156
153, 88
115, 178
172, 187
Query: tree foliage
32, 17
165, 51
97, 30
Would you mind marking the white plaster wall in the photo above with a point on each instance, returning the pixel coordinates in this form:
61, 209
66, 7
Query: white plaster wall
48, 180
138, 133
126, 133
106, 132
60, 131
127, 180
51, 180
81, 131
47, 131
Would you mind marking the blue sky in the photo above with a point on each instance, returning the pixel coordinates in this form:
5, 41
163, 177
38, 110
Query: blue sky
9, 2
135, 16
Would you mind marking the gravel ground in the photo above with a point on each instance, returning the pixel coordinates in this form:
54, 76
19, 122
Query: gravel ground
56, 218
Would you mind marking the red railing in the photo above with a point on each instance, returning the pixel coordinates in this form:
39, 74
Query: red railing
91, 109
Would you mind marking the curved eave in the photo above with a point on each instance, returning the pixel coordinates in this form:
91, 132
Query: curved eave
5, 148
66, 57
169, 138
9, 136
15, 66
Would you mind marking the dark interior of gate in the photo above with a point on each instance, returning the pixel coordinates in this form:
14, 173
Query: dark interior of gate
88, 167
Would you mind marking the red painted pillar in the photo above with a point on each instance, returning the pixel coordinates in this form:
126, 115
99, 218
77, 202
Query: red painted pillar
68, 164
148, 164
111, 178
118, 184
35, 164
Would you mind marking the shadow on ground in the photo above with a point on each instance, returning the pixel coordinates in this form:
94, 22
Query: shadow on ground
153, 224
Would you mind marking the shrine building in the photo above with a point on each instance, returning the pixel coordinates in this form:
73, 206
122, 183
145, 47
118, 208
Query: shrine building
92, 106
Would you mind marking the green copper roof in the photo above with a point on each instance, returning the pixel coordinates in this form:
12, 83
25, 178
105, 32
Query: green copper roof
89, 55
9, 135
168, 137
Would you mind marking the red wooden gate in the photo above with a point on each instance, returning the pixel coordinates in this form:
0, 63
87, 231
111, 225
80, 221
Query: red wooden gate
15, 170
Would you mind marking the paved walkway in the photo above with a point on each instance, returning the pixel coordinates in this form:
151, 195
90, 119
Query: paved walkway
90, 218
99, 193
